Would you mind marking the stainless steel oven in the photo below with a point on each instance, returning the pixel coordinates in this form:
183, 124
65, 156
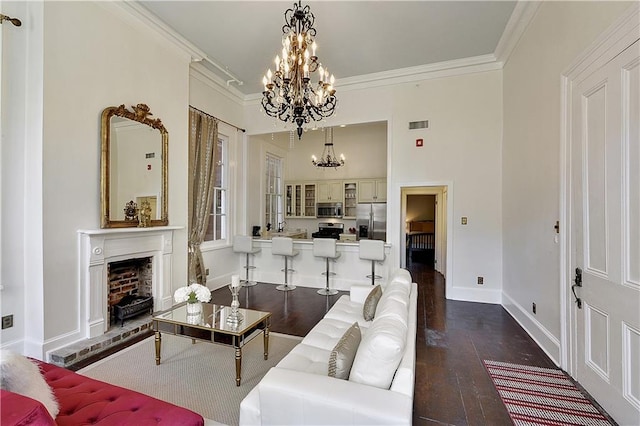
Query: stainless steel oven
329, 210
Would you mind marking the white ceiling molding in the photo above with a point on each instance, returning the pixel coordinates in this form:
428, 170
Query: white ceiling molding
411, 74
520, 18
211, 79
151, 21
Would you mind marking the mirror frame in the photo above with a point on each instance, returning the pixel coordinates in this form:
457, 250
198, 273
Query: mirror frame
140, 114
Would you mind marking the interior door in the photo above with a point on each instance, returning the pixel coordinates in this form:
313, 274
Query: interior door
605, 146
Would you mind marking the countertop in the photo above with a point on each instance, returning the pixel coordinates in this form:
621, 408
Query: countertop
309, 241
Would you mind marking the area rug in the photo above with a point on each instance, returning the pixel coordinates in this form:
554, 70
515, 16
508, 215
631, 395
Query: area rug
200, 376
542, 396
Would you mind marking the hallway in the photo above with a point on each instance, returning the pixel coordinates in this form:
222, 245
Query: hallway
452, 386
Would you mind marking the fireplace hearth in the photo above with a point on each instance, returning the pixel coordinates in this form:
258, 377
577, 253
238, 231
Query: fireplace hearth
131, 306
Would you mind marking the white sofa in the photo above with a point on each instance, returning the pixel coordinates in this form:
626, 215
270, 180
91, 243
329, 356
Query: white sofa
299, 391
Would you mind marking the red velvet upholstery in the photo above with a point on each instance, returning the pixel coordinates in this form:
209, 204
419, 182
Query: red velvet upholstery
87, 401
19, 410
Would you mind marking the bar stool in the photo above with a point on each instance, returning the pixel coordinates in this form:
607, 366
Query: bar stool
283, 246
244, 244
326, 247
372, 250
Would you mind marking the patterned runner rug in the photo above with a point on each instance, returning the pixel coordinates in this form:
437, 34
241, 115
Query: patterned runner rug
542, 396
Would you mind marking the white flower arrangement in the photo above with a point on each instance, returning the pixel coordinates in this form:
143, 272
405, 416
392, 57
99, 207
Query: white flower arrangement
192, 293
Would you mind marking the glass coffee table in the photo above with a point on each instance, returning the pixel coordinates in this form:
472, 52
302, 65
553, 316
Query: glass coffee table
211, 326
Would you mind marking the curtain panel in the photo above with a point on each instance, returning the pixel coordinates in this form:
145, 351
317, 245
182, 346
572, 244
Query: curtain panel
203, 138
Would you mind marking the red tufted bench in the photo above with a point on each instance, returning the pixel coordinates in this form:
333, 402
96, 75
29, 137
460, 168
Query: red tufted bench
85, 401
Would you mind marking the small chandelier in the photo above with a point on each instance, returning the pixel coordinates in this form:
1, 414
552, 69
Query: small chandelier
289, 94
328, 158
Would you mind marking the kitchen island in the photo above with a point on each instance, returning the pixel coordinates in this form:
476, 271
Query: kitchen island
349, 268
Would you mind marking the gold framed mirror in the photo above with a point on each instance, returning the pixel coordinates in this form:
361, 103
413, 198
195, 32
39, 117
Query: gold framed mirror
133, 168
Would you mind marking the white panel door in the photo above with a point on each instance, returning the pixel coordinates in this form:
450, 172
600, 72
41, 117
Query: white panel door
605, 144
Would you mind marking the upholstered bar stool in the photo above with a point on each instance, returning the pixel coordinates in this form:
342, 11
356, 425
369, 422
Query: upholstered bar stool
326, 247
372, 250
283, 246
244, 244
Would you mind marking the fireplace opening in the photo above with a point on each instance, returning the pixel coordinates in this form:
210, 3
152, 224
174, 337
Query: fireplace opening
130, 289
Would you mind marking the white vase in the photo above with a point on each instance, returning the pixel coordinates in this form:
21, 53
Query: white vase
194, 313
194, 308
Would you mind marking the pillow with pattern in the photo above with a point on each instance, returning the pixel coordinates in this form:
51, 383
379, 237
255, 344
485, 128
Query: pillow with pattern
342, 355
371, 302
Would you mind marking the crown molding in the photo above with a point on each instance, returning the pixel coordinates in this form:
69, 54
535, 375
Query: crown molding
144, 16
411, 74
198, 71
520, 18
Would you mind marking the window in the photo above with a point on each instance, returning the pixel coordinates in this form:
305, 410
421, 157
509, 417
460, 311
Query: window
273, 191
217, 229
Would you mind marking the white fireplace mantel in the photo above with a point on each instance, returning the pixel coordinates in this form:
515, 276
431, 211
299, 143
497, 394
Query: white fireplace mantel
99, 247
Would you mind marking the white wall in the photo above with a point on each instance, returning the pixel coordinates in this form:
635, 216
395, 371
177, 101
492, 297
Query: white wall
21, 216
99, 60
462, 148
559, 32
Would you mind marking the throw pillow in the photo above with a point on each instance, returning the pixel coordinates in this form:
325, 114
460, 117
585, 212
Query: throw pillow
371, 302
342, 355
20, 375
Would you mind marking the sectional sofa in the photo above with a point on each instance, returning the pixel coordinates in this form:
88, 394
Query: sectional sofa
378, 384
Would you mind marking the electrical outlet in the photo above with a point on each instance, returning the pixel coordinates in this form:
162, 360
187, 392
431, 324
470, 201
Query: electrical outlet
533, 307
7, 321
206, 271
480, 280
464, 220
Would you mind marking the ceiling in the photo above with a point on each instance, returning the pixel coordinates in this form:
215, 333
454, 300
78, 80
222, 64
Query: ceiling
355, 38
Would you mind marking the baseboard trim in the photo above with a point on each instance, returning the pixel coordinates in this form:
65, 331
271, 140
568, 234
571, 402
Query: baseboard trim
464, 294
543, 337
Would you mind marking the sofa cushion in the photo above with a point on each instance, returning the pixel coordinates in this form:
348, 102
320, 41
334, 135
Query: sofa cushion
342, 355
369, 307
21, 375
394, 302
348, 312
327, 333
380, 352
308, 359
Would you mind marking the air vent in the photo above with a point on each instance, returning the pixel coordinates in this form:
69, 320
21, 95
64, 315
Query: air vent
413, 125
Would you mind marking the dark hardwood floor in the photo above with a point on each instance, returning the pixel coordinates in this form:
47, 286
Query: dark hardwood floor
452, 386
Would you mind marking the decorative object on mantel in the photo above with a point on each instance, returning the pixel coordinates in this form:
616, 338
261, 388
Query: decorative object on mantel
328, 158
235, 317
144, 215
131, 211
289, 94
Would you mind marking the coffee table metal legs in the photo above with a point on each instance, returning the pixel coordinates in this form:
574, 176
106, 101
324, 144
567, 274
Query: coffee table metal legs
238, 360
266, 342
158, 343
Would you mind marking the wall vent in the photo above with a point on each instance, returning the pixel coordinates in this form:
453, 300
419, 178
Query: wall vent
413, 125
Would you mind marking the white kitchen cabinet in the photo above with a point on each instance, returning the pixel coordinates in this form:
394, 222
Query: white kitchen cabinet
330, 192
372, 191
300, 199
350, 199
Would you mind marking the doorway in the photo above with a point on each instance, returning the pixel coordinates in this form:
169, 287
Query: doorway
424, 226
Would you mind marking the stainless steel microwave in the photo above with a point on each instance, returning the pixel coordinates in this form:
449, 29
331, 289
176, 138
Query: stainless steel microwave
329, 210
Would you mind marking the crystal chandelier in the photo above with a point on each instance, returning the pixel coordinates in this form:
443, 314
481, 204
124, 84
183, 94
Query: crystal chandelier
289, 94
328, 158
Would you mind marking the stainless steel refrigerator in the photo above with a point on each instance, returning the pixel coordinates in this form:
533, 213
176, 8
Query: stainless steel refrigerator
371, 221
